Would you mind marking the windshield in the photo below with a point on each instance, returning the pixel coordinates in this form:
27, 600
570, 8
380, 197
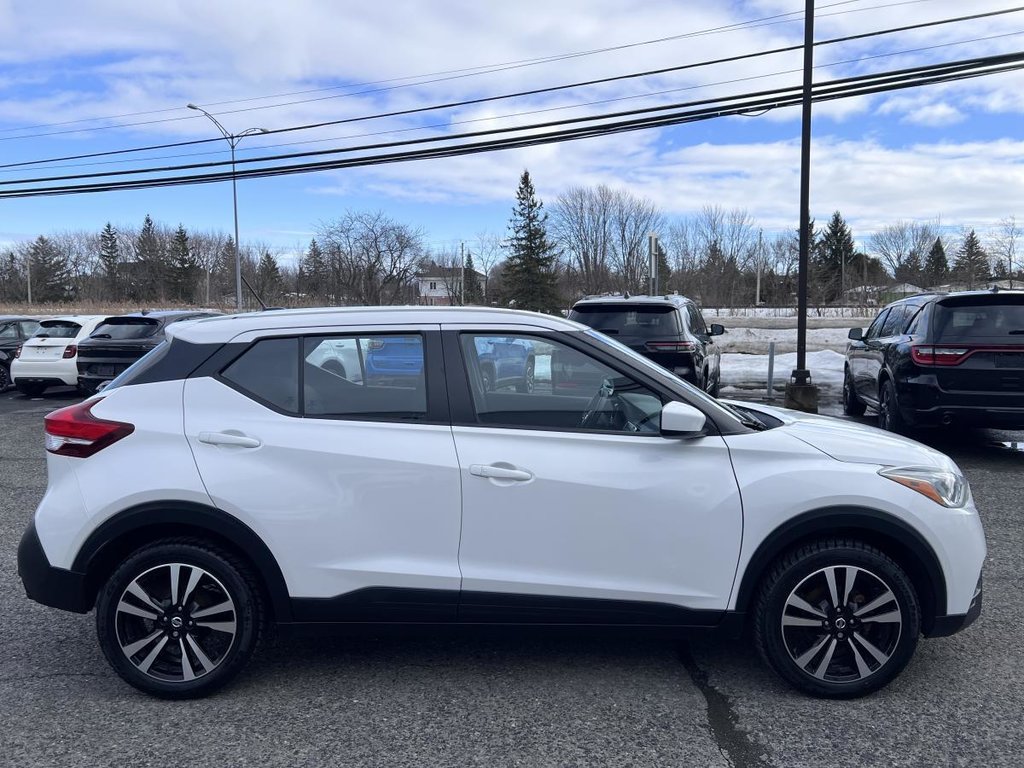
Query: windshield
57, 329
656, 370
632, 320
126, 328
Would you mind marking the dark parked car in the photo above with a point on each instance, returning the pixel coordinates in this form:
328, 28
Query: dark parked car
14, 331
119, 341
941, 359
669, 330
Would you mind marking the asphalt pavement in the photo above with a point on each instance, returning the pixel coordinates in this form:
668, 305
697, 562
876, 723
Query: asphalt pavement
515, 700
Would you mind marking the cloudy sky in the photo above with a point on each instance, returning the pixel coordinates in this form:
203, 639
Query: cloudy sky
81, 78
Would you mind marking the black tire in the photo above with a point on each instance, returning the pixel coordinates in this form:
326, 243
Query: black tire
87, 389
852, 405
215, 654
5, 378
528, 382
335, 367
820, 656
717, 386
30, 390
889, 416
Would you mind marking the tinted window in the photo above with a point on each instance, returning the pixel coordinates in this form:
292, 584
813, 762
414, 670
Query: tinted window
371, 376
569, 389
8, 331
28, 327
876, 325
635, 320
126, 328
269, 370
697, 321
991, 320
57, 329
917, 317
895, 321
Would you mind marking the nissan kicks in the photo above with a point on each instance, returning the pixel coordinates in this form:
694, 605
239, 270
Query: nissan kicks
289, 494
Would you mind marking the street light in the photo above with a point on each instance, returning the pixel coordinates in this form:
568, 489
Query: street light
232, 139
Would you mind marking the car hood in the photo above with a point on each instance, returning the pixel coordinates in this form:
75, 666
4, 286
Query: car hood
851, 442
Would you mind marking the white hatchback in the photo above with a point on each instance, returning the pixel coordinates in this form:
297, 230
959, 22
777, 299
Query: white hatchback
418, 493
50, 357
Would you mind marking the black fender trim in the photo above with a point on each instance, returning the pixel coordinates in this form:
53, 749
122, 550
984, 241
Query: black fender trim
126, 530
878, 528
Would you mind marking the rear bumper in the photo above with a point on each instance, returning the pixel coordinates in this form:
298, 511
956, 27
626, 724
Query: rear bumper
52, 372
923, 403
55, 587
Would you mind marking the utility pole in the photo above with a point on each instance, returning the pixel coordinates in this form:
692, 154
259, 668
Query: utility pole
801, 394
760, 259
652, 248
462, 284
28, 275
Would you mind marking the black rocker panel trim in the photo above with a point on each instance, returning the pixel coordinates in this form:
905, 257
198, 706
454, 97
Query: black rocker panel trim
414, 606
133, 527
878, 528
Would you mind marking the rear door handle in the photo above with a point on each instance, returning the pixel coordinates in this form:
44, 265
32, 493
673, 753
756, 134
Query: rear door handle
500, 473
229, 438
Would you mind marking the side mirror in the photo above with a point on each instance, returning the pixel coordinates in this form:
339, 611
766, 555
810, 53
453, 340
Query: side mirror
681, 420
855, 334
717, 330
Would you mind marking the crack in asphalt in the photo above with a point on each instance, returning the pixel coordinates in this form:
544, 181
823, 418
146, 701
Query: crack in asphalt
723, 722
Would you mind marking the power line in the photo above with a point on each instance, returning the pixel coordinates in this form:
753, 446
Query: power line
470, 71
550, 89
775, 99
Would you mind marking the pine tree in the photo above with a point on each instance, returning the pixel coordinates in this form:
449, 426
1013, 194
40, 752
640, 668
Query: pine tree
473, 290
936, 266
50, 271
184, 270
268, 278
529, 274
971, 265
313, 269
151, 262
110, 262
832, 256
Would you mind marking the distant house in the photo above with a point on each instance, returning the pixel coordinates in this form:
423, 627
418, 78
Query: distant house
442, 286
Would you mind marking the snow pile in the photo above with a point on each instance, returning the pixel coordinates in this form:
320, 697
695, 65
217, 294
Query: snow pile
750, 372
755, 340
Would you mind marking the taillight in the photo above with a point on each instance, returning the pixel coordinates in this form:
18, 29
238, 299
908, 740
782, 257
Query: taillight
670, 346
70, 351
74, 431
17, 353
930, 355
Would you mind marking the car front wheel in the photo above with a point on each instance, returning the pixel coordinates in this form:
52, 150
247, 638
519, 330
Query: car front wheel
852, 405
837, 619
179, 619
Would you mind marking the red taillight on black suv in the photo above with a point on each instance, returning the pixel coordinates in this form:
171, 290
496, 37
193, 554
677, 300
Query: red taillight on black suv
931, 355
70, 351
74, 431
670, 346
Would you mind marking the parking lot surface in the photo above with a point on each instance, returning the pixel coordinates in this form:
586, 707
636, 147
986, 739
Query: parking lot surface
527, 700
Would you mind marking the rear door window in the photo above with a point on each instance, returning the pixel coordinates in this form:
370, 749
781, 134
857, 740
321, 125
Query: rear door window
8, 331
876, 325
696, 321
630, 320
894, 323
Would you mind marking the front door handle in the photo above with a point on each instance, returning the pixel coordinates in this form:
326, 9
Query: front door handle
229, 438
500, 473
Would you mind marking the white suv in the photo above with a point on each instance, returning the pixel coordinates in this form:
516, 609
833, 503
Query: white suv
227, 480
50, 357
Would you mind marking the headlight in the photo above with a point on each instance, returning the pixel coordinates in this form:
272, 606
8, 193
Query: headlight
940, 485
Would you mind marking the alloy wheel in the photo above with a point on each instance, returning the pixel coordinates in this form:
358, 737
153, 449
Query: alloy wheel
841, 624
176, 622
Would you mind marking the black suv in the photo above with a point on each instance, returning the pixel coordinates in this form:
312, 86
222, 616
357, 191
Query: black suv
119, 341
941, 359
669, 330
15, 330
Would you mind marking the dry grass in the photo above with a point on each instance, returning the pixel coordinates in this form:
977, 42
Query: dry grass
91, 308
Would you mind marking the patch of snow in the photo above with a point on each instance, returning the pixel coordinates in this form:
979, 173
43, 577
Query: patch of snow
750, 372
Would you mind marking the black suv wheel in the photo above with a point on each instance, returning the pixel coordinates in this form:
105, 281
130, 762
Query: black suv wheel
889, 416
852, 405
179, 619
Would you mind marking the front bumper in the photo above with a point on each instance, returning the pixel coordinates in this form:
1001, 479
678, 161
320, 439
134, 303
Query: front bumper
55, 587
944, 626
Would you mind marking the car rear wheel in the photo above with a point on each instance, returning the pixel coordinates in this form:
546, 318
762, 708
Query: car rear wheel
179, 619
852, 405
528, 382
5, 378
837, 619
889, 416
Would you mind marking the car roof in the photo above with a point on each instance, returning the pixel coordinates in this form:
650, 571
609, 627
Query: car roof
226, 327
163, 314
19, 318
672, 299
922, 298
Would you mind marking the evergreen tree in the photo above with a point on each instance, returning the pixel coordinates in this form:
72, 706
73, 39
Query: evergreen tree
50, 271
184, 270
150, 270
971, 265
313, 271
832, 256
936, 266
664, 270
529, 275
110, 262
268, 278
473, 291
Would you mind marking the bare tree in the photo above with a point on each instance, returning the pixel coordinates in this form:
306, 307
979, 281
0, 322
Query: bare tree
371, 256
903, 247
1005, 242
581, 222
488, 253
632, 220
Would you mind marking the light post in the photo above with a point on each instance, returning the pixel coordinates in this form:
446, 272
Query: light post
232, 139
